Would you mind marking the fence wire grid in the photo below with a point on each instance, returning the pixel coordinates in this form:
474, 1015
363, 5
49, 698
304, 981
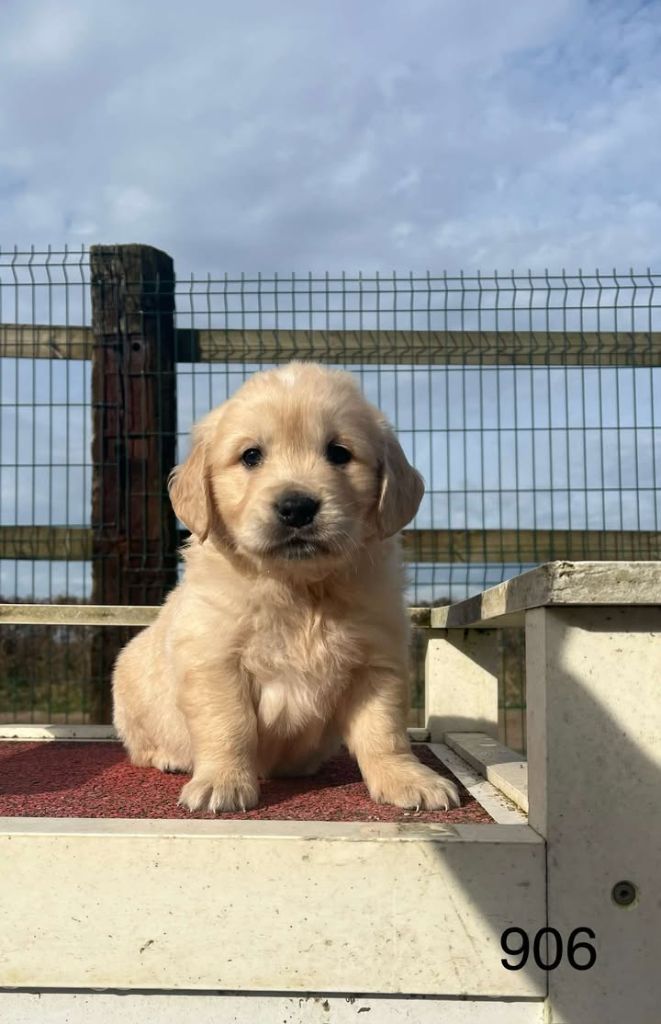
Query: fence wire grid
529, 403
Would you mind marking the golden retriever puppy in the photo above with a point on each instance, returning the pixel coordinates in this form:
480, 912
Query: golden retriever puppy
288, 633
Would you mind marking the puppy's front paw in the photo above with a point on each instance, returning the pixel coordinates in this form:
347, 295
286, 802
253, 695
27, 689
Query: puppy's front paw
413, 785
227, 792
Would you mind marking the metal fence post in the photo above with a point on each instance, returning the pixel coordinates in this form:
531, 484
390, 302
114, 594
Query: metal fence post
134, 535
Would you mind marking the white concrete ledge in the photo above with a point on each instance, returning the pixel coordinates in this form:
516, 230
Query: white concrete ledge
82, 733
487, 793
95, 733
264, 1008
268, 906
555, 584
502, 767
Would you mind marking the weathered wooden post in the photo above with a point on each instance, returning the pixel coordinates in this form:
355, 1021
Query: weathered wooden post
133, 441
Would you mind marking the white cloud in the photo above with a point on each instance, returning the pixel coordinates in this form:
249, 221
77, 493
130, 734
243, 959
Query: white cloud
131, 206
334, 136
43, 34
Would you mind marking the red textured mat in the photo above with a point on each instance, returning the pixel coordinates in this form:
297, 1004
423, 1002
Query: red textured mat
95, 780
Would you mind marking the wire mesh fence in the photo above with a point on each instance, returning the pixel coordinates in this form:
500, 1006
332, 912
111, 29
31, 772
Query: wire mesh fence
530, 404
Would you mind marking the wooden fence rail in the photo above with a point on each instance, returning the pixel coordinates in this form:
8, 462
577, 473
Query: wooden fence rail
519, 547
429, 348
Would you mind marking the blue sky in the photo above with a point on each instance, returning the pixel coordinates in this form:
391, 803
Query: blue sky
309, 137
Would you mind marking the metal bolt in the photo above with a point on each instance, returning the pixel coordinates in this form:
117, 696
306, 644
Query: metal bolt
624, 893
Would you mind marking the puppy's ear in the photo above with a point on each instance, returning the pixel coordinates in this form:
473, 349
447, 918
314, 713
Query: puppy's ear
189, 490
401, 489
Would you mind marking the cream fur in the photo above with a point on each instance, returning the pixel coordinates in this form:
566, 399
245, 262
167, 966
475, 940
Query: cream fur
261, 664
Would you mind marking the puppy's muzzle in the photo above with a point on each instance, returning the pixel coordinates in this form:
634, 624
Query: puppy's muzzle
296, 510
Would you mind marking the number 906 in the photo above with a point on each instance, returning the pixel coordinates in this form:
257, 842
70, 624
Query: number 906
547, 949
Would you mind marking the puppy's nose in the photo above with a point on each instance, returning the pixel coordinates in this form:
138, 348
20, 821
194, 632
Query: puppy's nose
297, 509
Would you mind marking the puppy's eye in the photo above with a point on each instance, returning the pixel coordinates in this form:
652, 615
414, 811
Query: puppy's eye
252, 457
337, 454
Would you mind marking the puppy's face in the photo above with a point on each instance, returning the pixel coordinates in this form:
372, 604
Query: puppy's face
297, 468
